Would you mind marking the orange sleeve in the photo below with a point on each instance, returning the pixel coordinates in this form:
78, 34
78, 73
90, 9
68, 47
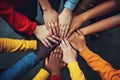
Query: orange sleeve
106, 71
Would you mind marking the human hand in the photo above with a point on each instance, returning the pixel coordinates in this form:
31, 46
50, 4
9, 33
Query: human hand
54, 64
51, 21
77, 40
43, 35
76, 22
69, 54
64, 22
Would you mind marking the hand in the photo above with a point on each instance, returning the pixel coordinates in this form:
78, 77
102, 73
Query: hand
77, 21
69, 54
78, 41
43, 35
54, 64
64, 22
51, 21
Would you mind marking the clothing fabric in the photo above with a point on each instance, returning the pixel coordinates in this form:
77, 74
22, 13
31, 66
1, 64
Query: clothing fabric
70, 4
106, 71
17, 20
55, 77
85, 5
42, 75
12, 45
75, 72
117, 2
16, 71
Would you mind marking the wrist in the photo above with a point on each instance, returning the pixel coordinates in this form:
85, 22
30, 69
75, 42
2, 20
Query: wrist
82, 49
55, 73
47, 10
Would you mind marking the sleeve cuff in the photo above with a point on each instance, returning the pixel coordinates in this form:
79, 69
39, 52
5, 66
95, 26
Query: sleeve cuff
32, 44
32, 28
41, 75
70, 4
55, 77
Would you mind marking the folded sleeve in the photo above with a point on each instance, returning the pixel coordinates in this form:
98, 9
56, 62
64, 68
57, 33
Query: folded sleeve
42, 75
75, 72
106, 71
12, 45
17, 20
70, 4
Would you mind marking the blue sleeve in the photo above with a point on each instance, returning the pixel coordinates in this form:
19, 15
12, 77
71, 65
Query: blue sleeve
70, 4
20, 68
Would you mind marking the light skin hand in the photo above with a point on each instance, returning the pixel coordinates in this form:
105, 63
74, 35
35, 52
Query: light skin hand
64, 22
43, 35
54, 63
77, 40
69, 54
51, 21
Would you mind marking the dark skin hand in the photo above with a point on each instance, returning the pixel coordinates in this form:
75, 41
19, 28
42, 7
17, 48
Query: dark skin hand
54, 63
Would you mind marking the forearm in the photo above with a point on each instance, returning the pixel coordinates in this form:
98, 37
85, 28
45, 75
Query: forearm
12, 45
102, 25
45, 5
17, 20
20, 68
75, 72
101, 9
106, 71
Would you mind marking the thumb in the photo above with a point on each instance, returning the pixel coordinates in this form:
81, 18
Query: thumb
46, 61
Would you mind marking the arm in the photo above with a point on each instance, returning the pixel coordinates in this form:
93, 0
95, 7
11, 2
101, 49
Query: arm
106, 71
75, 72
12, 45
42, 75
102, 25
101, 9
98, 64
65, 17
20, 68
70, 57
50, 17
19, 21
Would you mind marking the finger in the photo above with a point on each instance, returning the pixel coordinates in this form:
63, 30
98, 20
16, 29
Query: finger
53, 28
55, 37
69, 33
52, 40
57, 27
46, 61
48, 43
50, 29
45, 43
63, 31
67, 43
66, 31
63, 45
51, 55
60, 30
80, 34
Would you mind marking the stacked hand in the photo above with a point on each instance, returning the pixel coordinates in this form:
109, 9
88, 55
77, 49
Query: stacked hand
77, 40
69, 54
54, 63
43, 35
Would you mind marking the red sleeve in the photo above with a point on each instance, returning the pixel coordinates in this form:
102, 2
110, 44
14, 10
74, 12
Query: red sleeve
18, 21
55, 77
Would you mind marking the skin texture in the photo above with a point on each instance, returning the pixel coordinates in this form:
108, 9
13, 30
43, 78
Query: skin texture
101, 9
77, 40
54, 63
65, 18
69, 54
43, 35
50, 17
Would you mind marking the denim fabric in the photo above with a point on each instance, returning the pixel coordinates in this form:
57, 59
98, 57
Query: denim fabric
20, 68
70, 4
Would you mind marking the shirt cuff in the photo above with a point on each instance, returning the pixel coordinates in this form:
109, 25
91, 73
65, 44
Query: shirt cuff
70, 4
41, 75
32, 44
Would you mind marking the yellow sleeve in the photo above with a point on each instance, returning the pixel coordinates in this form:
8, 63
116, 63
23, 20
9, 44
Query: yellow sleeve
75, 72
12, 45
106, 71
41, 75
